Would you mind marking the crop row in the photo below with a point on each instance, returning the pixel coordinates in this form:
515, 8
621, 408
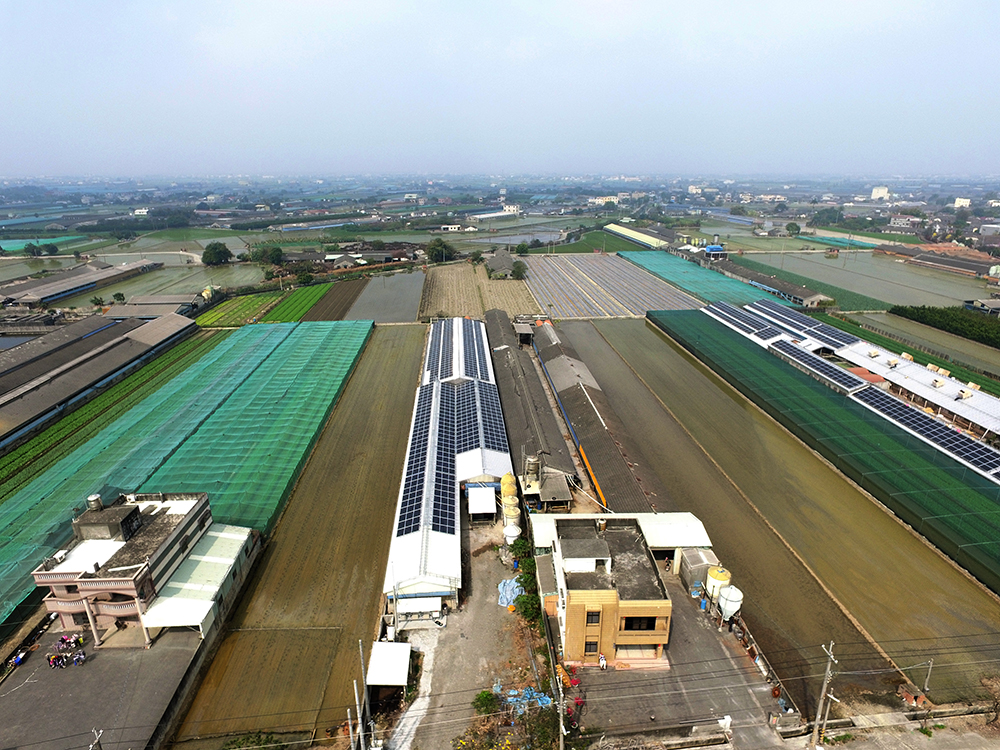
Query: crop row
33, 457
241, 310
297, 304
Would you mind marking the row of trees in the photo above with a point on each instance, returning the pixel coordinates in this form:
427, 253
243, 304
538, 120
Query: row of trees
957, 320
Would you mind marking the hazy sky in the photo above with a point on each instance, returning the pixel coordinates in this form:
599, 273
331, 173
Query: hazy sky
324, 87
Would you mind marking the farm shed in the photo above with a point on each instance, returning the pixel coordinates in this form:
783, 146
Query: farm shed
456, 435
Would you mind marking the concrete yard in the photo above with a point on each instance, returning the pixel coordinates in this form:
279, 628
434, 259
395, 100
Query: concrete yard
122, 688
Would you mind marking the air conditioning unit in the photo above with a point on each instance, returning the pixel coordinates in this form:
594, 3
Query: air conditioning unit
932, 367
907, 357
973, 386
938, 383
963, 394
946, 373
873, 353
893, 362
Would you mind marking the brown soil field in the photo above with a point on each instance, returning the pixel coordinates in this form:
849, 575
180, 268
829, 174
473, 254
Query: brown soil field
911, 600
337, 301
461, 289
291, 655
787, 610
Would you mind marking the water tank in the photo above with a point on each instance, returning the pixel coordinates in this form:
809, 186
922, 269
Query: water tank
716, 579
511, 515
509, 490
94, 503
730, 601
602, 524
510, 501
532, 468
511, 532
508, 478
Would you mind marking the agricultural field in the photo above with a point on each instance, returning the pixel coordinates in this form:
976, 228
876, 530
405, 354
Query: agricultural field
461, 289
846, 300
300, 623
390, 298
29, 459
592, 242
880, 276
338, 299
292, 308
187, 279
240, 310
583, 286
18, 268
791, 487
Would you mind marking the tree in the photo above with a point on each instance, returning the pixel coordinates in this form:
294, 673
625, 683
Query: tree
303, 278
275, 255
781, 207
378, 246
97, 301
520, 270
792, 228
522, 249
737, 211
476, 256
439, 251
3, 253
536, 243
32, 250
118, 297
76, 254
486, 702
216, 253
50, 248
826, 217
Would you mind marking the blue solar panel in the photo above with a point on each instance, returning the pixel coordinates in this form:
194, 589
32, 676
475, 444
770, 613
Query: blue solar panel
946, 438
469, 357
824, 337
819, 366
443, 508
767, 333
754, 322
735, 322
411, 501
434, 350
466, 418
484, 370
494, 436
796, 320
447, 349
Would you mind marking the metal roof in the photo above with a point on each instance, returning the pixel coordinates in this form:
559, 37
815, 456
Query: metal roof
979, 408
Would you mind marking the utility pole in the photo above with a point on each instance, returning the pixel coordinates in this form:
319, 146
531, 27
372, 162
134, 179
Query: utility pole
927, 679
96, 744
350, 729
830, 661
364, 686
361, 728
826, 715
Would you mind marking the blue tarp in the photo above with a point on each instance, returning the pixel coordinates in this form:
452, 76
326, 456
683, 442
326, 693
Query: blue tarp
509, 591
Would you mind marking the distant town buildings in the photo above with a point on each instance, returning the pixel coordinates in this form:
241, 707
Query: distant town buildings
880, 193
963, 202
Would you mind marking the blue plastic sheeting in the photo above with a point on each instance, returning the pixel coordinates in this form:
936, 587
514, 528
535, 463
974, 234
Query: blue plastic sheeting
522, 700
509, 591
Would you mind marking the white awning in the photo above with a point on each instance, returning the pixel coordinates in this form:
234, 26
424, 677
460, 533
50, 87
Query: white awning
418, 604
482, 500
389, 664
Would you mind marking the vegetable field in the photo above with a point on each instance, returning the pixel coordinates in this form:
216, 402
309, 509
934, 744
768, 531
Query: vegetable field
297, 304
30, 459
240, 310
338, 299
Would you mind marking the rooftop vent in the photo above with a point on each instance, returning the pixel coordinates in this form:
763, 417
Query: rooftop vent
938, 383
873, 353
932, 367
907, 357
973, 386
893, 363
94, 502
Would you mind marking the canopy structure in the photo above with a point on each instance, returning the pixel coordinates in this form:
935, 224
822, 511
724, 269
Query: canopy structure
389, 664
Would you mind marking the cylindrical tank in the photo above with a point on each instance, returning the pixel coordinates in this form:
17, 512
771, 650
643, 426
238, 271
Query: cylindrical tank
532, 468
717, 578
509, 490
94, 503
602, 524
510, 501
730, 601
511, 532
508, 478
511, 516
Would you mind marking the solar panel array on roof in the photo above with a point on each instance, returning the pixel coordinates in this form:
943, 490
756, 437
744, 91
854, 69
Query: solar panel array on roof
803, 324
767, 333
447, 351
412, 495
746, 322
434, 350
819, 366
469, 348
443, 508
494, 433
946, 438
466, 418
480, 335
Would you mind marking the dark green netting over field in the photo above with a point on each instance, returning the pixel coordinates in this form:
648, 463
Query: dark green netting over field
956, 508
238, 425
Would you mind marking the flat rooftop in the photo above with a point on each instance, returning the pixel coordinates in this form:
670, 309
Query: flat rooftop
633, 574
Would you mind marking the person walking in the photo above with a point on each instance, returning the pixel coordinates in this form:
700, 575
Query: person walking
603, 662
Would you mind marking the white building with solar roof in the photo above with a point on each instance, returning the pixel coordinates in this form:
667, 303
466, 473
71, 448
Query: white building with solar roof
457, 435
